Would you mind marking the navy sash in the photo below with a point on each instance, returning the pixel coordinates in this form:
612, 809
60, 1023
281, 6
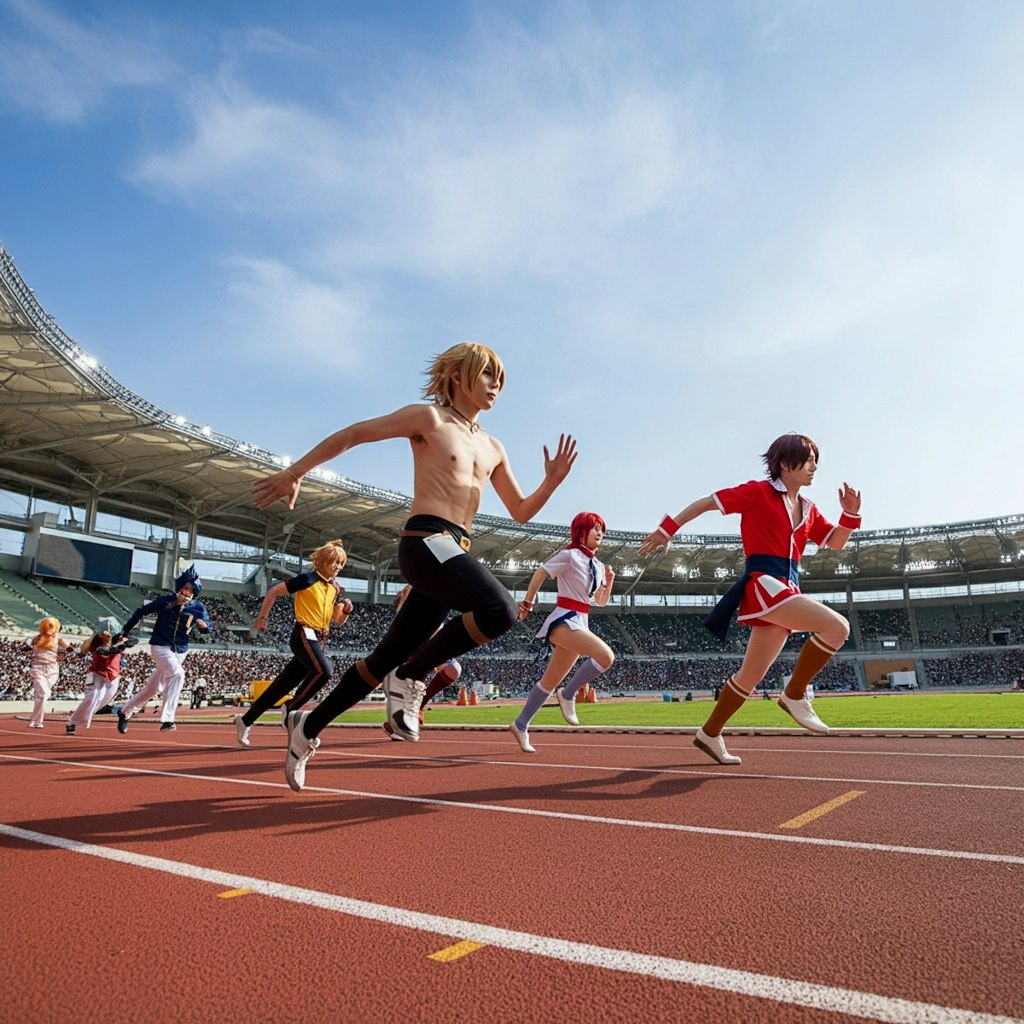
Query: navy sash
774, 565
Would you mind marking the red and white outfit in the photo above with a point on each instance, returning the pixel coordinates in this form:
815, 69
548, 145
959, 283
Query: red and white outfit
578, 574
766, 528
101, 683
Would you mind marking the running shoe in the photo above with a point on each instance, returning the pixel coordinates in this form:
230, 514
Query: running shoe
803, 714
242, 731
568, 706
300, 750
389, 729
714, 747
522, 738
402, 699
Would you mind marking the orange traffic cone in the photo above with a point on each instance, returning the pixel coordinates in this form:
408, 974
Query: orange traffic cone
473, 700
462, 702
592, 695
583, 696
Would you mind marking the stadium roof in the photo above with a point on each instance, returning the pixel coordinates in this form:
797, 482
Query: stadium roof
70, 434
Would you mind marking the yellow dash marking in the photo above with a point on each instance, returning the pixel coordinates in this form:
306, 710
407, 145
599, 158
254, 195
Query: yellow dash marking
232, 893
817, 812
456, 952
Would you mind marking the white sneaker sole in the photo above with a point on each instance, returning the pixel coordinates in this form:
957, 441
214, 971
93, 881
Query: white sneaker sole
396, 714
568, 710
816, 725
708, 749
522, 738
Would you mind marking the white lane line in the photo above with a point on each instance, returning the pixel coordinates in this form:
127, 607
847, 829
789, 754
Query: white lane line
850, 1002
590, 819
456, 737
728, 773
812, 745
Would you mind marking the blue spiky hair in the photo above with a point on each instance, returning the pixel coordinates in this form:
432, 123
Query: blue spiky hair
191, 577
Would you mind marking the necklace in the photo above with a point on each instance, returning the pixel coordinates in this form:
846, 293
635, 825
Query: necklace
472, 424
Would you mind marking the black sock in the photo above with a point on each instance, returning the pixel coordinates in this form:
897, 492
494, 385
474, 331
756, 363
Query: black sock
351, 689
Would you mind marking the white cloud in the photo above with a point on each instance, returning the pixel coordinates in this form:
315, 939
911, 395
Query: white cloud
62, 69
291, 318
526, 159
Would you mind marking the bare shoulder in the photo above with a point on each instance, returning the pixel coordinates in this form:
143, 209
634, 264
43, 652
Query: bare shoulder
412, 421
422, 415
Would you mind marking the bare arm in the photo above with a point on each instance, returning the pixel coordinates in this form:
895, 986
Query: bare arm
659, 539
530, 597
268, 602
405, 422
522, 509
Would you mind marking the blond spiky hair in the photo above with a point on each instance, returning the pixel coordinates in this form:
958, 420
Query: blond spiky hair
469, 361
326, 554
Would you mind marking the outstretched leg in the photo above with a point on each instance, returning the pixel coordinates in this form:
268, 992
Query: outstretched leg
763, 648
569, 644
829, 631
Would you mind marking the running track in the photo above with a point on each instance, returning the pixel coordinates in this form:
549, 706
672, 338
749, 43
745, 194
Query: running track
607, 878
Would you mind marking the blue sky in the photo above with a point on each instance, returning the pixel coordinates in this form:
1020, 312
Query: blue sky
686, 227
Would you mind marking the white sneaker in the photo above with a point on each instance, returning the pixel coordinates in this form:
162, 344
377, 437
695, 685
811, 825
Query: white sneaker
402, 699
523, 738
714, 747
389, 729
803, 714
300, 750
35, 725
568, 706
242, 731
284, 717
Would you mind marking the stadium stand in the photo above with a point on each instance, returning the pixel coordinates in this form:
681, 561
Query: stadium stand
951, 596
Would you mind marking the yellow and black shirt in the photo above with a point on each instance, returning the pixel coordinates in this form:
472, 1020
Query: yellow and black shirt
315, 598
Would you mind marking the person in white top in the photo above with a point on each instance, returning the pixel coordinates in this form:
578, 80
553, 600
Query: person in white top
582, 581
48, 651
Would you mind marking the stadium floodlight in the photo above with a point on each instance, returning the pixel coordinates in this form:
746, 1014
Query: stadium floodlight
205, 431
179, 421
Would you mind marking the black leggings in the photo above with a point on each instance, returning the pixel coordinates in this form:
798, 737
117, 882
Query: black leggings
443, 577
307, 672
441, 580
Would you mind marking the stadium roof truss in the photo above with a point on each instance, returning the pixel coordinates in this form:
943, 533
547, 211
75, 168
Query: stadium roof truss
72, 435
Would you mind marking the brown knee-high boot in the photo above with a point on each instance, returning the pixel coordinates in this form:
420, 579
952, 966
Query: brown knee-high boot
814, 656
730, 700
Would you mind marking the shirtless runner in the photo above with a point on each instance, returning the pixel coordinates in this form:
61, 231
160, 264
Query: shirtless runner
453, 460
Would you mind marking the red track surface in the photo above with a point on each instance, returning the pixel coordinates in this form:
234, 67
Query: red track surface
643, 883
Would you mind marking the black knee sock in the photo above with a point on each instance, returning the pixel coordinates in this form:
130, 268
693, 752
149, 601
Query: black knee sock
351, 689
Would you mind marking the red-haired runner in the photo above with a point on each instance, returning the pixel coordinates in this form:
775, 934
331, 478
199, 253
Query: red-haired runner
582, 581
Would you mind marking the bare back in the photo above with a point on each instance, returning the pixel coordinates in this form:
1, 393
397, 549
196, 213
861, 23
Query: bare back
452, 465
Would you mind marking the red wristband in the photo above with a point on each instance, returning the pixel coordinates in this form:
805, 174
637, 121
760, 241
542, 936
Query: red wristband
668, 526
850, 521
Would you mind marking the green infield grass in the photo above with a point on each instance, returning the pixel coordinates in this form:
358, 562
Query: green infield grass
862, 711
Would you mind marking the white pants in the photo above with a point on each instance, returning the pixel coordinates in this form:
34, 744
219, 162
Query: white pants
169, 674
98, 691
44, 678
